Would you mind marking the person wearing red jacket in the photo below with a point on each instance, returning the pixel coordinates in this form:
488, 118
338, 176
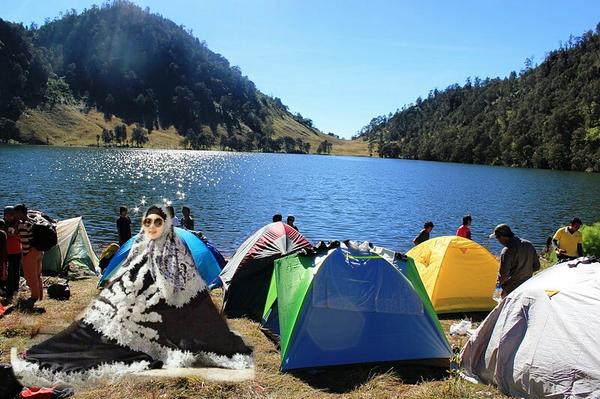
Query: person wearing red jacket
13, 249
465, 229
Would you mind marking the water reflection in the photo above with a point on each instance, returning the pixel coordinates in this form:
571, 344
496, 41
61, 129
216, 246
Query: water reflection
231, 195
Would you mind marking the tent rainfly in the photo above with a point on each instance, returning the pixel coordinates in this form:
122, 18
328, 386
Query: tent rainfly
247, 275
352, 304
73, 247
205, 261
459, 274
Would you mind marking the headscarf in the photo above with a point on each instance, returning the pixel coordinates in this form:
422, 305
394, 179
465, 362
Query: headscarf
169, 261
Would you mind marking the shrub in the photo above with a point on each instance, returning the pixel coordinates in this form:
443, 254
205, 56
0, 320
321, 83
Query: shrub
591, 239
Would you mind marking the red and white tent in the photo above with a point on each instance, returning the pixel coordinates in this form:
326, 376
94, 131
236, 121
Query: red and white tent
247, 275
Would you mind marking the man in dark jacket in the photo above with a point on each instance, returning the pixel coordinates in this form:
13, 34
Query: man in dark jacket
123, 226
518, 259
424, 234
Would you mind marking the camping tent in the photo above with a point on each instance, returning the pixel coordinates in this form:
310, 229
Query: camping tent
205, 261
73, 247
541, 340
350, 305
247, 275
459, 274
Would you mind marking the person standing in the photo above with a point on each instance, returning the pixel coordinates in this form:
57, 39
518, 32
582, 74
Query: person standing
465, 229
568, 241
13, 249
518, 259
277, 218
188, 221
123, 225
290, 222
3, 257
32, 258
424, 234
174, 219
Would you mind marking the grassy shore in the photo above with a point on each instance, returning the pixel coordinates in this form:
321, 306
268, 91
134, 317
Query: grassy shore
68, 125
384, 381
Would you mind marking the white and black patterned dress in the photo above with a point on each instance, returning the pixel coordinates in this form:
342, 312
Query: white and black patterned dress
157, 312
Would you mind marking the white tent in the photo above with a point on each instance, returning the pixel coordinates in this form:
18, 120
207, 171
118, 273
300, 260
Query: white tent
73, 248
542, 339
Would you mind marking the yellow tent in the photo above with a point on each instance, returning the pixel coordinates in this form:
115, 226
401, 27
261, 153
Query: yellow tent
459, 274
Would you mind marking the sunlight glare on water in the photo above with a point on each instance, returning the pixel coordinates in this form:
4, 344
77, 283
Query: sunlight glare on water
232, 194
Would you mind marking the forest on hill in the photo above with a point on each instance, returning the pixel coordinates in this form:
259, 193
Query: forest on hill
144, 69
545, 116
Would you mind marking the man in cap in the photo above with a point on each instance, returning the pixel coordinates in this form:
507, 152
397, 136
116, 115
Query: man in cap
518, 259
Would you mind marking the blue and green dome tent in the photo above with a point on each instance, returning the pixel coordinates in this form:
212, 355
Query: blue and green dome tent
205, 261
352, 304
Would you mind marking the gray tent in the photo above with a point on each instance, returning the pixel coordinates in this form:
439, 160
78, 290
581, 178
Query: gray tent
73, 248
542, 339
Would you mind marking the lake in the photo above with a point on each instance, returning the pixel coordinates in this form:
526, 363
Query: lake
385, 201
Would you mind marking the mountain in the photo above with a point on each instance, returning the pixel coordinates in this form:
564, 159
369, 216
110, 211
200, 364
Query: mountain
547, 116
141, 71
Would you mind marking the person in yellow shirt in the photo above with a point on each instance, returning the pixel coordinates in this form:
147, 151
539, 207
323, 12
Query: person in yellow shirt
569, 241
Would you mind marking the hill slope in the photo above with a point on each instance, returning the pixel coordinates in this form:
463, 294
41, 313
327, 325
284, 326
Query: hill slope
547, 116
70, 125
144, 71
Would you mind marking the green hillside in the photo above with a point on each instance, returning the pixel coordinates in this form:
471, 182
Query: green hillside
142, 71
545, 116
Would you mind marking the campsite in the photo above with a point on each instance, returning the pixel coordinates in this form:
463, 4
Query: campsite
382, 381
291, 199
345, 318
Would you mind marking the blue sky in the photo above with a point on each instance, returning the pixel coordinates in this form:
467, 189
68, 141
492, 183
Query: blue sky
341, 63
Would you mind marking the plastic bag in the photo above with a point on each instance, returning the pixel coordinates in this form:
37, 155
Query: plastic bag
460, 328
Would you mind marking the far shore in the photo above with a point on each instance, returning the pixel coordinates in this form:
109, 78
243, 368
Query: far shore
216, 149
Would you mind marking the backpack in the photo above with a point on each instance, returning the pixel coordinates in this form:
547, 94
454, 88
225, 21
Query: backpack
59, 291
44, 234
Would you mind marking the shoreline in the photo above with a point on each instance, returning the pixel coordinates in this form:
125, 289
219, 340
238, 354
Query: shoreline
341, 154
216, 149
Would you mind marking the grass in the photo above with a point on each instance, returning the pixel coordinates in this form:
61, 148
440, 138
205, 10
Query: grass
374, 381
68, 125
284, 125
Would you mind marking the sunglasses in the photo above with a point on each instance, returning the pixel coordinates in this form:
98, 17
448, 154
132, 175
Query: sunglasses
157, 222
